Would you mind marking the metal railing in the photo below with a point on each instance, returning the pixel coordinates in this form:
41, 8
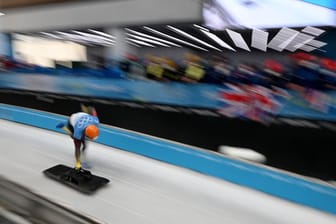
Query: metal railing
18, 201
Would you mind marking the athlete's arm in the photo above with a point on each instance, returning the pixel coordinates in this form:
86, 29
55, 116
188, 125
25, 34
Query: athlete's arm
93, 111
89, 110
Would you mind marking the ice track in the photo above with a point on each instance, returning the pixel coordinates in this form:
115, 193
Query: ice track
142, 190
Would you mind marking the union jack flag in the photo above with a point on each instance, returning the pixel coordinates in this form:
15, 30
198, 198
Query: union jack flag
249, 101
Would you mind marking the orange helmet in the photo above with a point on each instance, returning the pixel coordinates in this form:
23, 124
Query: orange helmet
92, 131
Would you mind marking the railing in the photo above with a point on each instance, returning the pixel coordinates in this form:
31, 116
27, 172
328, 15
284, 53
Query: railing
23, 206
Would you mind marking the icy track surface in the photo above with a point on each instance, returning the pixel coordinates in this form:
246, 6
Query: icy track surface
142, 190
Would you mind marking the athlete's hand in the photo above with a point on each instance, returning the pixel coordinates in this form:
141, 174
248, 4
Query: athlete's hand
60, 125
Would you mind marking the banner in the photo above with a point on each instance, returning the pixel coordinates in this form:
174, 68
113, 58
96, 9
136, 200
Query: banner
247, 101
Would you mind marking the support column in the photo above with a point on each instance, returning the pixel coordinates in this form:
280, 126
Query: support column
5, 45
121, 48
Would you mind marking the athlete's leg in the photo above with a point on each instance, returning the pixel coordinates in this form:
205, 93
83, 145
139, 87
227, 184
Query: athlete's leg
85, 163
78, 153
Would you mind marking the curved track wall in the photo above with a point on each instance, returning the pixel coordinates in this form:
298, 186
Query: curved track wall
270, 181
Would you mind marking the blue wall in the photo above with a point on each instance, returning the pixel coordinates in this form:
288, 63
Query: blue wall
272, 182
325, 3
177, 94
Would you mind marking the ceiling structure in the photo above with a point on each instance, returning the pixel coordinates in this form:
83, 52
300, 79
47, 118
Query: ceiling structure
79, 14
10, 4
175, 34
200, 38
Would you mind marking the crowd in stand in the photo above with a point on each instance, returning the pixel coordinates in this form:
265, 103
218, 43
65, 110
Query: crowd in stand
302, 70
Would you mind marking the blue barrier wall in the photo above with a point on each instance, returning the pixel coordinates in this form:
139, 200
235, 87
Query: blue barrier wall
270, 181
177, 94
324, 3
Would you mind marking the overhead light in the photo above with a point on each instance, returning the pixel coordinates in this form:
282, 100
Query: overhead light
284, 44
176, 30
102, 33
51, 35
217, 40
94, 37
201, 27
299, 40
2, 14
140, 42
173, 38
78, 38
318, 49
213, 37
154, 38
72, 36
282, 39
259, 39
237, 39
307, 48
316, 43
66, 34
313, 30
148, 40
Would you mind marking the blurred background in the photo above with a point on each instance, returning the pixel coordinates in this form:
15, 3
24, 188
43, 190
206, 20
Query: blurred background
243, 73
253, 79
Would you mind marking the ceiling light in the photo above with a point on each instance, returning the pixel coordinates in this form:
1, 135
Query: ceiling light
282, 39
217, 40
148, 40
77, 38
237, 39
307, 48
201, 27
51, 35
316, 43
176, 30
93, 36
102, 33
284, 44
140, 42
313, 30
154, 38
65, 34
299, 40
259, 39
174, 38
